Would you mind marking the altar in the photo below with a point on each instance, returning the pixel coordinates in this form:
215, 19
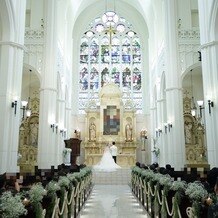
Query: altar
126, 154
110, 121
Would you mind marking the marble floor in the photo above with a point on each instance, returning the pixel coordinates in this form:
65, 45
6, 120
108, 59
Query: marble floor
111, 197
112, 201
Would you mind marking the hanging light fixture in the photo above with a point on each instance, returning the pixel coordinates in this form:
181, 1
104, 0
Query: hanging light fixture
193, 106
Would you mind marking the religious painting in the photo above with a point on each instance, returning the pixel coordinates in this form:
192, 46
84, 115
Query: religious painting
111, 120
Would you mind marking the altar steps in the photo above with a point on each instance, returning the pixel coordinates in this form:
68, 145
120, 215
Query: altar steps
118, 177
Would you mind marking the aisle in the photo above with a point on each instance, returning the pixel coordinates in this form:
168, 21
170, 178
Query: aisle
112, 201
119, 177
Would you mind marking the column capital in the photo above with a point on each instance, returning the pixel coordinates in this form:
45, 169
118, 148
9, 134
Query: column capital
161, 100
208, 44
14, 44
153, 108
48, 88
174, 88
61, 100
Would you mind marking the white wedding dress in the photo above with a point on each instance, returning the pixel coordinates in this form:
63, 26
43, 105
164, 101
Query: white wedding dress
106, 163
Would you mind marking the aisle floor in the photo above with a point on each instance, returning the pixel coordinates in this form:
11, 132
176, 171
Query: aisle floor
112, 201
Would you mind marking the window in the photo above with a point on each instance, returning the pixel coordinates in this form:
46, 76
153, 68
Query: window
110, 51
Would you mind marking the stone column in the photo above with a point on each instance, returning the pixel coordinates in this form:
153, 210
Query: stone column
209, 52
47, 150
68, 119
176, 144
60, 135
11, 68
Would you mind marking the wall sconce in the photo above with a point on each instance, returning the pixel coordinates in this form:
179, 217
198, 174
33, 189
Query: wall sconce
14, 105
170, 125
63, 132
156, 131
210, 105
193, 112
165, 127
143, 134
56, 127
53, 126
200, 104
23, 104
159, 131
199, 55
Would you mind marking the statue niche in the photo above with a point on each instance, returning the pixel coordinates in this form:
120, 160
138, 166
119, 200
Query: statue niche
28, 139
194, 137
92, 132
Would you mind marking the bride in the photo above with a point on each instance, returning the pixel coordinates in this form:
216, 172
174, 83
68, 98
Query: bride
107, 162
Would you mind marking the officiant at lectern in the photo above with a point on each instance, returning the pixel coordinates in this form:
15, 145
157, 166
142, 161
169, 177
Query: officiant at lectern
113, 150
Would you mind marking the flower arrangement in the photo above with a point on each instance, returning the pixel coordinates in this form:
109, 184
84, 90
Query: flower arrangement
179, 186
166, 181
64, 181
11, 206
36, 195
156, 151
65, 151
149, 175
52, 187
196, 191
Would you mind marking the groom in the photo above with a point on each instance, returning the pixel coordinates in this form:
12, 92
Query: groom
113, 150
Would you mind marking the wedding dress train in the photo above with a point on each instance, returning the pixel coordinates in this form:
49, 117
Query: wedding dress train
107, 162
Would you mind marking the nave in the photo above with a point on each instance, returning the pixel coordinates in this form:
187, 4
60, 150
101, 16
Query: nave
112, 197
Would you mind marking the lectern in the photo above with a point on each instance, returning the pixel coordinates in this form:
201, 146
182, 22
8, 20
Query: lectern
74, 144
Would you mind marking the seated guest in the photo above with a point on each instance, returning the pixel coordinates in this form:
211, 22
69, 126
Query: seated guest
137, 164
163, 171
12, 185
2, 184
169, 169
213, 202
155, 167
211, 178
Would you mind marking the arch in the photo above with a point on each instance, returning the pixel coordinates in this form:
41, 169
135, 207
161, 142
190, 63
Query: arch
196, 65
36, 72
30, 82
89, 11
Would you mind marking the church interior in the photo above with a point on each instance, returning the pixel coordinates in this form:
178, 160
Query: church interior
77, 75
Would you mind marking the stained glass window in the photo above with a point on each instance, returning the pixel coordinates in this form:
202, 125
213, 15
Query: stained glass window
110, 51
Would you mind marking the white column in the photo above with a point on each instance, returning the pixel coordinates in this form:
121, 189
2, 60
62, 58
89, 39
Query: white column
68, 121
153, 134
60, 136
11, 67
209, 54
176, 144
47, 150
163, 142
